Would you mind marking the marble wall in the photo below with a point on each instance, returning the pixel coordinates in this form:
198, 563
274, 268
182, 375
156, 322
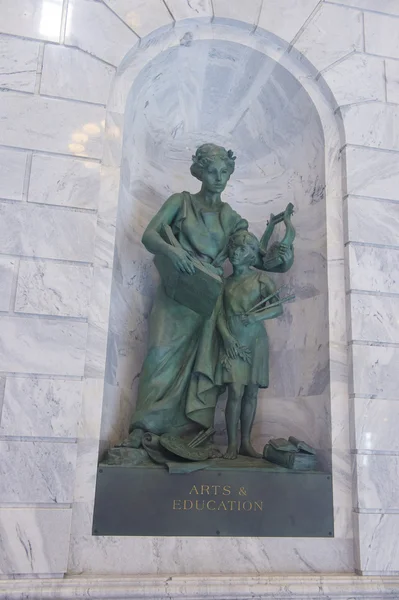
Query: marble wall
66, 68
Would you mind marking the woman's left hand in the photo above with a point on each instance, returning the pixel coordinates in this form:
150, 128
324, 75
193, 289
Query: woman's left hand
285, 252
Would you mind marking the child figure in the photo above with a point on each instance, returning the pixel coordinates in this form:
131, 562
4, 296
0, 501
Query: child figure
245, 365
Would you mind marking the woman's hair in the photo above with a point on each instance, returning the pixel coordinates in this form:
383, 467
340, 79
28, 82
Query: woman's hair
245, 238
208, 152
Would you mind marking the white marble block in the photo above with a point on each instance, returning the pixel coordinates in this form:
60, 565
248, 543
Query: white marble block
381, 35
378, 543
376, 424
46, 232
357, 78
64, 181
390, 7
285, 18
190, 9
18, 63
246, 12
374, 318
143, 16
40, 19
375, 371
372, 172
52, 125
107, 37
48, 288
41, 407
374, 269
377, 482
42, 346
12, 173
332, 33
37, 471
34, 541
71, 73
7, 267
372, 221
382, 130
392, 78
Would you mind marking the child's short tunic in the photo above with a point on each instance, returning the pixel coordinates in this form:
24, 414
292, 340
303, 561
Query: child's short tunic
240, 295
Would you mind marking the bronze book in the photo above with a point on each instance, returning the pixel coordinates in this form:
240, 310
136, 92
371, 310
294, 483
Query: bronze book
291, 453
199, 291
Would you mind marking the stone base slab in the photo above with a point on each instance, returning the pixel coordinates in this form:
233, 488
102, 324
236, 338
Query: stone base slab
278, 587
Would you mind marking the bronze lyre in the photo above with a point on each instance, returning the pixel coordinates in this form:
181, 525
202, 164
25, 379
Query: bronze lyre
272, 256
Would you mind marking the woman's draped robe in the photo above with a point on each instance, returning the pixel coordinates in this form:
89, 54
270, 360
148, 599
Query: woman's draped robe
178, 378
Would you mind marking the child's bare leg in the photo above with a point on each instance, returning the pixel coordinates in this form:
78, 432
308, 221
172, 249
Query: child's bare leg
233, 409
248, 410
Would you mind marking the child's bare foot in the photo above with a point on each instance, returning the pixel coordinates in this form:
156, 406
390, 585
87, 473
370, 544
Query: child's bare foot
231, 453
246, 449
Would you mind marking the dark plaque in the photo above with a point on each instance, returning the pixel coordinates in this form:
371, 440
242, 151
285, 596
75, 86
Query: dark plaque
214, 502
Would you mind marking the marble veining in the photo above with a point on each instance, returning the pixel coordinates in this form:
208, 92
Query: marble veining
18, 63
70, 73
246, 12
39, 345
7, 266
381, 35
372, 172
48, 288
375, 318
376, 371
285, 18
41, 407
278, 587
388, 6
64, 181
357, 78
372, 221
373, 424
46, 232
37, 472
105, 28
374, 269
376, 555
376, 487
34, 541
41, 19
143, 16
330, 35
35, 122
12, 173
106, 217
392, 77
383, 125
185, 9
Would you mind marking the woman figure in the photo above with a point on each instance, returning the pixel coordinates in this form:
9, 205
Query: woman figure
177, 382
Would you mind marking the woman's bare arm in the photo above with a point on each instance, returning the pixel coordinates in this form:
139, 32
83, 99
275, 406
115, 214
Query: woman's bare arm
154, 243
165, 216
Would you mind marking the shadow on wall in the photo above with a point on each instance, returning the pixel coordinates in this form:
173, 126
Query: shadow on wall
222, 92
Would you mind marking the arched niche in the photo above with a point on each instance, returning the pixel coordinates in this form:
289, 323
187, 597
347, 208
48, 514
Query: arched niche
269, 108
132, 292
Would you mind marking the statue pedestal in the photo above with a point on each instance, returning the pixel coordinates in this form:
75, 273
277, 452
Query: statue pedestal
225, 499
